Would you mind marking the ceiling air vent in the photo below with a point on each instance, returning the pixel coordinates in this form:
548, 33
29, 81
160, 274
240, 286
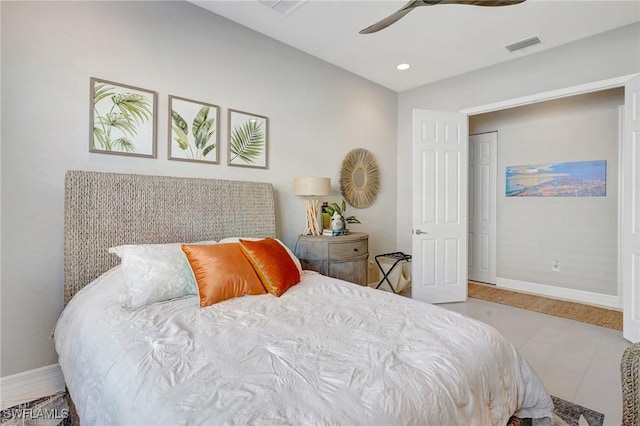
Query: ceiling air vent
522, 43
283, 7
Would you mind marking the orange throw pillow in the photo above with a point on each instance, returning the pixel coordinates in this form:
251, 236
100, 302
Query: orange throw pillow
222, 272
272, 263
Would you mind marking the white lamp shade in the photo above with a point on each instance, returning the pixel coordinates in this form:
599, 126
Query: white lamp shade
312, 186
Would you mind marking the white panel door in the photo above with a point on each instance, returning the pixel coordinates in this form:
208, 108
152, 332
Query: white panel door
630, 229
439, 211
483, 158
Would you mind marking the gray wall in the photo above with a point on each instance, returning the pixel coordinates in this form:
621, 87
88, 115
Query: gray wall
607, 55
581, 233
317, 113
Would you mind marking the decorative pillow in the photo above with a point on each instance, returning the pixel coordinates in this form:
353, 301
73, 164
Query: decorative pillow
155, 272
222, 272
296, 261
272, 263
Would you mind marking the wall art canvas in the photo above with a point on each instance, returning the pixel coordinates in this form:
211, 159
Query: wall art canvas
193, 130
573, 179
247, 135
122, 119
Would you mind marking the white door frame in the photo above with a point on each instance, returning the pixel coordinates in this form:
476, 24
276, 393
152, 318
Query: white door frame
595, 86
629, 243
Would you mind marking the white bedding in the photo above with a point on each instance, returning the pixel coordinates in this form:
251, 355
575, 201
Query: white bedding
326, 352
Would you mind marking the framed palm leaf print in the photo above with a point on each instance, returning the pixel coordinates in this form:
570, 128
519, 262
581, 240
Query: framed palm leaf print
122, 119
247, 136
193, 130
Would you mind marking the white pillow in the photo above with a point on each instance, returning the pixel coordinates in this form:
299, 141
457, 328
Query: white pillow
237, 240
155, 272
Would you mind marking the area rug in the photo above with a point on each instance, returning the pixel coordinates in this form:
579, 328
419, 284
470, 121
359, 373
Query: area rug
566, 414
576, 415
53, 411
559, 308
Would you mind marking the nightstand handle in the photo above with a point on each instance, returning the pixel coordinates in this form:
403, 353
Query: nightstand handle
355, 249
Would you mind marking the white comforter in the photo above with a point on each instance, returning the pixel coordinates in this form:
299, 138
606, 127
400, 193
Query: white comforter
326, 352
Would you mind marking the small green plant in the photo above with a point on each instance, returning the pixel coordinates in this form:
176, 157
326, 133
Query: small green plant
335, 208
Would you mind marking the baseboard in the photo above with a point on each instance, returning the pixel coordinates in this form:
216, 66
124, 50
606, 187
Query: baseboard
605, 300
30, 385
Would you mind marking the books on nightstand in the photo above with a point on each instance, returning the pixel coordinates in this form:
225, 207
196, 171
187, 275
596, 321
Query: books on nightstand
334, 232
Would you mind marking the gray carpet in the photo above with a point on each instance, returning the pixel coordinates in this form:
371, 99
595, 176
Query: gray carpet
52, 411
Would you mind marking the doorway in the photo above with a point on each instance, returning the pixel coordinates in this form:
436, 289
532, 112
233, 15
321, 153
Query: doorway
566, 245
630, 179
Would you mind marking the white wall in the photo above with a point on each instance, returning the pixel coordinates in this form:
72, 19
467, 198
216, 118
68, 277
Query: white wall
603, 56
317, 113
581, 233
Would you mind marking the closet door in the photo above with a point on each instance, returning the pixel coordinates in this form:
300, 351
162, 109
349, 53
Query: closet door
483, 158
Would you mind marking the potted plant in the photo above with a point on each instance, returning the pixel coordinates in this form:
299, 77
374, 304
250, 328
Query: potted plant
333, 209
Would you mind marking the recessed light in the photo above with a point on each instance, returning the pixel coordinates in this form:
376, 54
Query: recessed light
403, 67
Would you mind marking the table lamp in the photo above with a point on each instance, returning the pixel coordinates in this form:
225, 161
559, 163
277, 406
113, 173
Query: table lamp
311, 187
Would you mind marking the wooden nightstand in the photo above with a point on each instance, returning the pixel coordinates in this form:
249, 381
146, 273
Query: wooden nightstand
343, 257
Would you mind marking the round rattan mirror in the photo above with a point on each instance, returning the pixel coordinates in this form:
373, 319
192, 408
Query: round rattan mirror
359, 178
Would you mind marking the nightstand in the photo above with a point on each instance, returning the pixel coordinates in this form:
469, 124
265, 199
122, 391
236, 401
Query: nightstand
344, 257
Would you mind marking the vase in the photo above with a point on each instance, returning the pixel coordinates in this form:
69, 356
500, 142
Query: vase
337, 222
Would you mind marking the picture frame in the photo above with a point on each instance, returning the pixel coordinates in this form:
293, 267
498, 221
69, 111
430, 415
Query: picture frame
123, 119
560, 179
247, 139
193, 130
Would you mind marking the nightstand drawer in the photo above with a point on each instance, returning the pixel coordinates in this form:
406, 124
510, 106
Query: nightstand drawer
343, 257
343, 251
318, 266
354, 271
313, 250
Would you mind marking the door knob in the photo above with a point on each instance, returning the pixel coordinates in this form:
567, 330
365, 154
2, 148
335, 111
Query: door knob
419, 232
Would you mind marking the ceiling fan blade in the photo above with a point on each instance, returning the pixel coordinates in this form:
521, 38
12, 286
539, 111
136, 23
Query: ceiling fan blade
416, 3
484, 2
394, 17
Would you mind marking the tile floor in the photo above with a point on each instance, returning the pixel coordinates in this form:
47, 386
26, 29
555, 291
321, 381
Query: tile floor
576, 361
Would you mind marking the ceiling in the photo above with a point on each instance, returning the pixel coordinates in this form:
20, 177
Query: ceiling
437, 41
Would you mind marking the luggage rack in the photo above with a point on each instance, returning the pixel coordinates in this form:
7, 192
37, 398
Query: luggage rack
400, 257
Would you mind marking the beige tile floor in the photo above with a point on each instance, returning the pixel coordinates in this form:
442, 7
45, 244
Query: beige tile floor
576, 361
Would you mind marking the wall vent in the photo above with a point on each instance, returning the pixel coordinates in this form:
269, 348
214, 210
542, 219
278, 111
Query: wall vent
530, 41
283, 7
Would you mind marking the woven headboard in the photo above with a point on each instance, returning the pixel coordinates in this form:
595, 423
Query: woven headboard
103, 210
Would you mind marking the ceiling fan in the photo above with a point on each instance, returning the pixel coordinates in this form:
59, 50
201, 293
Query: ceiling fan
417, 3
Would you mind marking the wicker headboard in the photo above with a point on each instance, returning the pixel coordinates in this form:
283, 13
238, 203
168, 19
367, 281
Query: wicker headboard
108, 209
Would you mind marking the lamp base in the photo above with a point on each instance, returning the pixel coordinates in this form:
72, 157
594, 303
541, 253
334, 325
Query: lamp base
312, 218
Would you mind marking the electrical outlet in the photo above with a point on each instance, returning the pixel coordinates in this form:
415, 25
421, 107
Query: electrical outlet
555, 266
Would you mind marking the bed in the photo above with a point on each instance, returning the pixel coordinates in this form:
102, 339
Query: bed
324, 352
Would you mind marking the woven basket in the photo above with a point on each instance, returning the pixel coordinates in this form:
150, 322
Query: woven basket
631, 385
